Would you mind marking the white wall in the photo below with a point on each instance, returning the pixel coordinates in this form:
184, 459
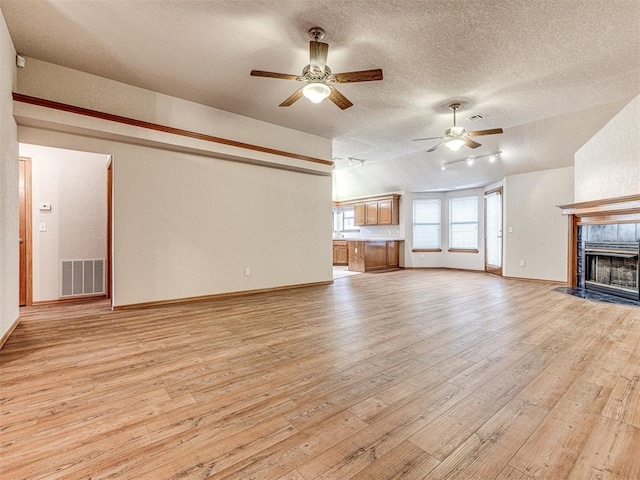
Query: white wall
9, 250
74, 184
188, 225
608, 165
466, 261
539, 235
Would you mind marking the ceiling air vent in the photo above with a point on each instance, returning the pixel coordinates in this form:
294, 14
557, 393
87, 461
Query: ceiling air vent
476, 117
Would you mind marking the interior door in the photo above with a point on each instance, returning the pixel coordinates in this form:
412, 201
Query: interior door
24, 185
493, 231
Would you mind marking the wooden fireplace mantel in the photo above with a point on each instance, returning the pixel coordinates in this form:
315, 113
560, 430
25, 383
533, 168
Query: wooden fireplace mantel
606, 211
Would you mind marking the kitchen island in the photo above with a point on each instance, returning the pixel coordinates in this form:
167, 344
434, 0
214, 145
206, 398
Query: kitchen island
372, 255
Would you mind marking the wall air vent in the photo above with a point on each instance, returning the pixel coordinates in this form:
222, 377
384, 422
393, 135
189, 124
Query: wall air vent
81, 277
476, 117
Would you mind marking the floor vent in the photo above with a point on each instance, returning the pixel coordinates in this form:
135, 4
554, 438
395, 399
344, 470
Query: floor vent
81, 277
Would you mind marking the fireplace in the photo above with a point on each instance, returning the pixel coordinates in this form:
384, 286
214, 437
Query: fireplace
604, 239
611, 267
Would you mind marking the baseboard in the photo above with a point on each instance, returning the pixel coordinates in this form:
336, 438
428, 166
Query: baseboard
555, 282
8, 333
444, 268
217, 296
58, 301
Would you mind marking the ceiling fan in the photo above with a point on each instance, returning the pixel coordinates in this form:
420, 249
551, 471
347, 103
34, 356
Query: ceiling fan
455, 137
318, 76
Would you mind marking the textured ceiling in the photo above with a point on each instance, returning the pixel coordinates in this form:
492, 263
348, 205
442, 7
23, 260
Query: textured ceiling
551, 72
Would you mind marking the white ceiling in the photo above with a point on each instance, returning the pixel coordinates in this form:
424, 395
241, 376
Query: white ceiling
550, 72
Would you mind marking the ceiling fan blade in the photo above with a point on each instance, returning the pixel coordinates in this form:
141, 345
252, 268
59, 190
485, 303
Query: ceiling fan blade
340, 100
283, 76
428, 138
471, 143
435, 147
362, 76
292, 99
318, 55
491, 131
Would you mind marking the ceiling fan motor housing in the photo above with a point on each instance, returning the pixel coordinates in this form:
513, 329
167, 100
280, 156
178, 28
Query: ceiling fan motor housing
454, 132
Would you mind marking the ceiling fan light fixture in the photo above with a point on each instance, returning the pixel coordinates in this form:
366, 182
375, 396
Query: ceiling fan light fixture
454, 144
316, 91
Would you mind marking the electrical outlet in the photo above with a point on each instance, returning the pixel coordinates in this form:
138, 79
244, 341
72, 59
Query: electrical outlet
522, 263
247, 272
422, 255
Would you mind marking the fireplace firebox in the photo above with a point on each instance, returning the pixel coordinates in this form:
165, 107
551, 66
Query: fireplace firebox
612, 268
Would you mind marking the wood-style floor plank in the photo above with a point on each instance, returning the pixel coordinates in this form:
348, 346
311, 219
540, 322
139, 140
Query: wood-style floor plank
422, 374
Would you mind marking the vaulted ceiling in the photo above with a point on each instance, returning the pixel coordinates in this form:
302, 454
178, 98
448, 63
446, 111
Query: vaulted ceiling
550, 72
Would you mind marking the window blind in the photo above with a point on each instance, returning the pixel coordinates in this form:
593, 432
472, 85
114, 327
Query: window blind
426, 223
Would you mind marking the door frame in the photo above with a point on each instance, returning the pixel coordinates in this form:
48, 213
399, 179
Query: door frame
108, 289
495, 270
26, 221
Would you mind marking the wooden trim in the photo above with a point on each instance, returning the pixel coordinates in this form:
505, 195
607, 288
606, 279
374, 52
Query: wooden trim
572, 256
8, 333
524, 279
609, 219
495, 190
373, 198
427, 250
596, 203
109, 224
28, 234
41, 102
463, 250
610, 210
84, 299
217, 296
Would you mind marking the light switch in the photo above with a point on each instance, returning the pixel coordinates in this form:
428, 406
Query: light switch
42, 227
45, 207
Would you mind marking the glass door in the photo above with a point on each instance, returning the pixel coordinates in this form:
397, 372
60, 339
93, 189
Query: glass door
493, 231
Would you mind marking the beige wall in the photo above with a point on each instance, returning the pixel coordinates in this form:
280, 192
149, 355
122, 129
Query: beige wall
74, 184
187, 225
9, 253
539, 235
608, 165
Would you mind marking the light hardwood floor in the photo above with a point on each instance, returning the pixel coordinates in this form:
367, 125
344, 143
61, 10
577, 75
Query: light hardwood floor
403, 375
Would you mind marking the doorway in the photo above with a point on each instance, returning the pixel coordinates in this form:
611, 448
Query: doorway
493, 231
65, 225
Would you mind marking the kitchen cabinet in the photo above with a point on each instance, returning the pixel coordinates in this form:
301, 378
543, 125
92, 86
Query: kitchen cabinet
381, 210
340, 252
359, 214
371, 216
373, 255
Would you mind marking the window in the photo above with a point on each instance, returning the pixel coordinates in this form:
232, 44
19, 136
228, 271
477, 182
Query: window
348, 219
426, 224
463, 223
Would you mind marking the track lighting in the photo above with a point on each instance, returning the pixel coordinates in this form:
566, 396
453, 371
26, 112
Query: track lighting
492, 157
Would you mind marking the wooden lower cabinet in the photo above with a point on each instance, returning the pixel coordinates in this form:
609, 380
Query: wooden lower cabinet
340, 252
369, 256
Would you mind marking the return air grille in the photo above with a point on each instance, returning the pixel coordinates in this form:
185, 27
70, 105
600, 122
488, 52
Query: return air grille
81, 277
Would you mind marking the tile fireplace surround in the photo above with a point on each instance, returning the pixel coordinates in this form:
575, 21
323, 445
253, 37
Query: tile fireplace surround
608, 220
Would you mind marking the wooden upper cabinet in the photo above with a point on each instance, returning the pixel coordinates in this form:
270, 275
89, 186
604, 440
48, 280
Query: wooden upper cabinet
359, 214
381, 210
371, 213
385, 216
